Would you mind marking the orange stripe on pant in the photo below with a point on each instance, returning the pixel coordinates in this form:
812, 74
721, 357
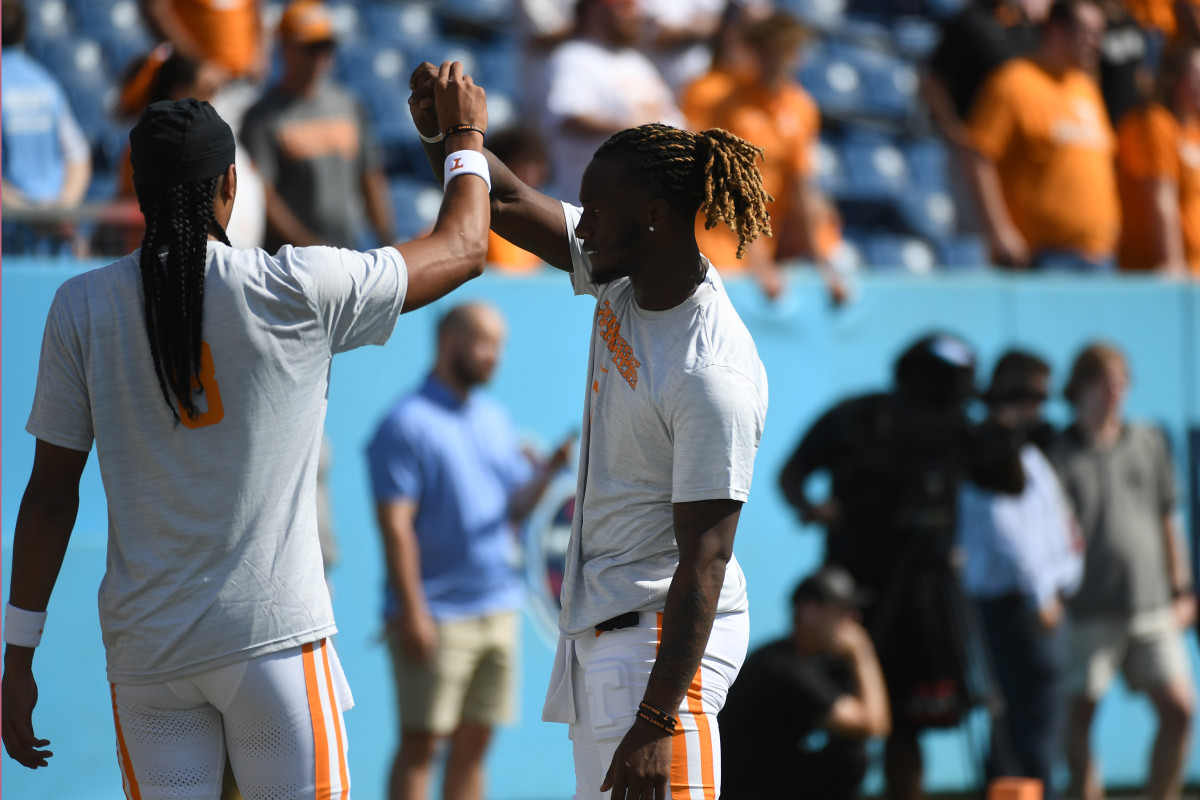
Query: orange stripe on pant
337, 725
131, 788
681, 782
320, 737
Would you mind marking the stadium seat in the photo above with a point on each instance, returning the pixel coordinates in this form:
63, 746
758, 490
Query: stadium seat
835, 82
47, 20
823, 15
415, 205
348, 22
928, 163
875, 169
915, 37
929, 213
436, 49
888, 251
118, 26
964, 253
827, 161
485, 14
370, 62
399, 23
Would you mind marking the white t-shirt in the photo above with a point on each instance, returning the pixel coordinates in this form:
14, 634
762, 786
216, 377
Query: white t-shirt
616, 84
213, 553
674, 411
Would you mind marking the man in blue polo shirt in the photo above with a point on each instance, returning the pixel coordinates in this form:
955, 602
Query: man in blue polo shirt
47, 162
450, 480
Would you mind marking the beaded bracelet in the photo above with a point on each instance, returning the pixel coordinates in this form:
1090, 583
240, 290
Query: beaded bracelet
656, 716
464, 128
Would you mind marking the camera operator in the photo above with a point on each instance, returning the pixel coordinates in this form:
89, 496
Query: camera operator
896, 460
1023, 555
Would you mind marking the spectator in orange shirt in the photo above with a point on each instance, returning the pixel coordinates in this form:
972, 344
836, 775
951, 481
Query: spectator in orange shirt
773, 112
1043, 163
732, 65
1158, 172
228, 33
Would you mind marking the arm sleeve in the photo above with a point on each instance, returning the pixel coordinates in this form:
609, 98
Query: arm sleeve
358, 296
62, 408
716, 419
581, 265
394, 464
992, 123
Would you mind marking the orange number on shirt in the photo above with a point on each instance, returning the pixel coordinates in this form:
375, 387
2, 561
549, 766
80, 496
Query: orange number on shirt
207, 379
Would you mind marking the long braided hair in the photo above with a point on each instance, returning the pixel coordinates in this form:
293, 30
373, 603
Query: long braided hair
711, 171
173, 257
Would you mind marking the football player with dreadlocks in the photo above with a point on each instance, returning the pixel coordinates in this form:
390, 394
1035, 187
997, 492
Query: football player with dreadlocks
654, 623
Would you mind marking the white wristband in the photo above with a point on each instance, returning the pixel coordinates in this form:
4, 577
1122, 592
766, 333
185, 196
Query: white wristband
467, 162
23, 628
431, 139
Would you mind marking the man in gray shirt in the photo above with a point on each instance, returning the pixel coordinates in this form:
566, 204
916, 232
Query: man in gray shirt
312, 144
1136, 596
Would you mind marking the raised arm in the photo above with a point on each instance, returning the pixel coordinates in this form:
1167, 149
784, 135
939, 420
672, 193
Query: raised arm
44, 524
455, 250
522, 215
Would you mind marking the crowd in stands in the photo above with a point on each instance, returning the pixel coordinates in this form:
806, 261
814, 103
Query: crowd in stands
910, 134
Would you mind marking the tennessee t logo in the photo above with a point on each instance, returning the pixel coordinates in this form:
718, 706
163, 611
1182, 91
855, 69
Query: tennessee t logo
456, 165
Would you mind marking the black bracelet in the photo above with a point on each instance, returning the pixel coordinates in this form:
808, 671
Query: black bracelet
656, 716
464, 128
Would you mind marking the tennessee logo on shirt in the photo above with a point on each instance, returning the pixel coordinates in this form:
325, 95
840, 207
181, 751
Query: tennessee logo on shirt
456, 165
609, 328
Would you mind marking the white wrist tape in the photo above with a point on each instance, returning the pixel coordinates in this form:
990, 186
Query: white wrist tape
23, 628
467, 162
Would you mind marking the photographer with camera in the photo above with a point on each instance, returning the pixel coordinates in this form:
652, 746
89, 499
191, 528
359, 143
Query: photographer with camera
897, 460
1022, 557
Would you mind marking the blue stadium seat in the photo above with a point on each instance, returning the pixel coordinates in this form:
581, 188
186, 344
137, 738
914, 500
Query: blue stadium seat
80, 67
823, 15
436, 49
47, 20
495, 14
964, 253
929, 213
890, 83
372, 62
875, 169
929, 163
916, 37
399, 23
888, 251
415, 205
348, 22
827, 162
835, 82
118, 26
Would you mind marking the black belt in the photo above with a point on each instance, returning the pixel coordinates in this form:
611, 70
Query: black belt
627, 620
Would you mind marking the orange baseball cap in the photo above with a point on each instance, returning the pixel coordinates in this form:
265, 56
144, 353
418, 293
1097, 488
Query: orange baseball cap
306, 22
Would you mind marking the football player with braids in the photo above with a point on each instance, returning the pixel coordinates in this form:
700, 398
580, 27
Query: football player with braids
654, 622
214, 609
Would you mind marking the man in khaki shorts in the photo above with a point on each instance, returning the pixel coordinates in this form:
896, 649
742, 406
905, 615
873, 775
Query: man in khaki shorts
449, 479
1136, 597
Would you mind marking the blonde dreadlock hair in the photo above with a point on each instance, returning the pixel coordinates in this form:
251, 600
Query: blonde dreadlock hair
712, 171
